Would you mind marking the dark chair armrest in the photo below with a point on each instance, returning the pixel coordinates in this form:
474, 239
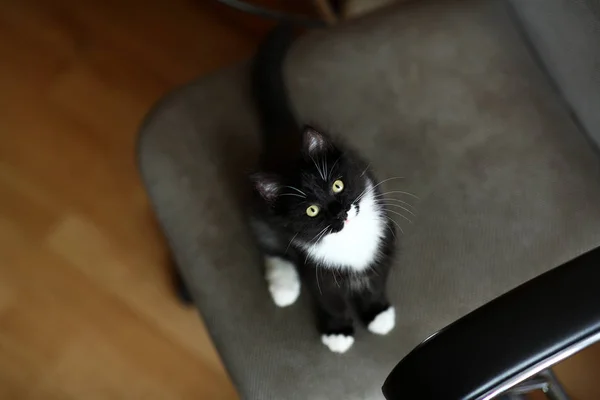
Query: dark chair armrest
507, 340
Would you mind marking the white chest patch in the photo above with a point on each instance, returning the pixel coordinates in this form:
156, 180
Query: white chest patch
357, 245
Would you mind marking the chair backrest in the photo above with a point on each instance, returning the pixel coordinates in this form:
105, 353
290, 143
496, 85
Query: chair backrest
566, 37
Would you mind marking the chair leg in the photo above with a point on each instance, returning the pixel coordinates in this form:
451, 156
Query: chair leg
554, 390
545, 381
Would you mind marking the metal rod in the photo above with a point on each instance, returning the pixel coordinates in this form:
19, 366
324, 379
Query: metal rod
545, 381
530, 385
554, 391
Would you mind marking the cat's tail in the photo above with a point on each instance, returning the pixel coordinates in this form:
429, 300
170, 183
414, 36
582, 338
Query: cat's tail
278, 123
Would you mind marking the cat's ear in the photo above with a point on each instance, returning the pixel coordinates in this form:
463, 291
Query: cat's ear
313, 141
267, 185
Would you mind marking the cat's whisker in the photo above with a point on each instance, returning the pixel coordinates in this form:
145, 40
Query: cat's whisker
399, 192
395, 223
399, 201
317, 166
321, 233
363, 193
322, 167
292, 194
324, 233
360, 196
314, 237
391, 231
334, 278
296, 189
320, 237
399, 206
402, 215
387, 180
357, 199
365, 171
290, 243
317, 276
333, 167
371, 189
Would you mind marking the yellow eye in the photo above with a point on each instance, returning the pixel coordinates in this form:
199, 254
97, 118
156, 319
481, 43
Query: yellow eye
313, 210
338, 186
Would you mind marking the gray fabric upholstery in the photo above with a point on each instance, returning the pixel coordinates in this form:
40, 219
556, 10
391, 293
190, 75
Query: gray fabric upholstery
566, 36
444, 94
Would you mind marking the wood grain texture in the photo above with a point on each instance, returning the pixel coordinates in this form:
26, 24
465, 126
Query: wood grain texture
87, 309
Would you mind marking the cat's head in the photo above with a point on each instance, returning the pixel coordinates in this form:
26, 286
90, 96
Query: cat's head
321, 194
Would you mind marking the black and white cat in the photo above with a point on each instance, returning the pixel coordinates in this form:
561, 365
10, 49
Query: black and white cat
318, 214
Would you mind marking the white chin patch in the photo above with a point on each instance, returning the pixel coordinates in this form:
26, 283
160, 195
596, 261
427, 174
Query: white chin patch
384, 322
352, 212
283, 281
338, 343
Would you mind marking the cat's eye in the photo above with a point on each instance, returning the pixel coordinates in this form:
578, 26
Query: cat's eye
313, 210
338, 186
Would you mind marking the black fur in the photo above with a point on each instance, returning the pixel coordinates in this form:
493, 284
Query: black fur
291, 179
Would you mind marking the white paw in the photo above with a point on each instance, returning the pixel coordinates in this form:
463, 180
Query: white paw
384, 322
284, 295
338, 343
283, 280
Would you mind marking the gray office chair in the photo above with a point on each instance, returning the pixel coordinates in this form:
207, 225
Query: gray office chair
490, 110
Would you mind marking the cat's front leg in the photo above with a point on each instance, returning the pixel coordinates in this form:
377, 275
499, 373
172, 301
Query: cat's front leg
334, 317
373, 306
283, 280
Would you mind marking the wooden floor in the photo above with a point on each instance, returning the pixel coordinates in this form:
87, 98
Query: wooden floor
86, 306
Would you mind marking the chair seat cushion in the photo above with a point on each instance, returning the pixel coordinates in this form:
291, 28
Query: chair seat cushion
444, 94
